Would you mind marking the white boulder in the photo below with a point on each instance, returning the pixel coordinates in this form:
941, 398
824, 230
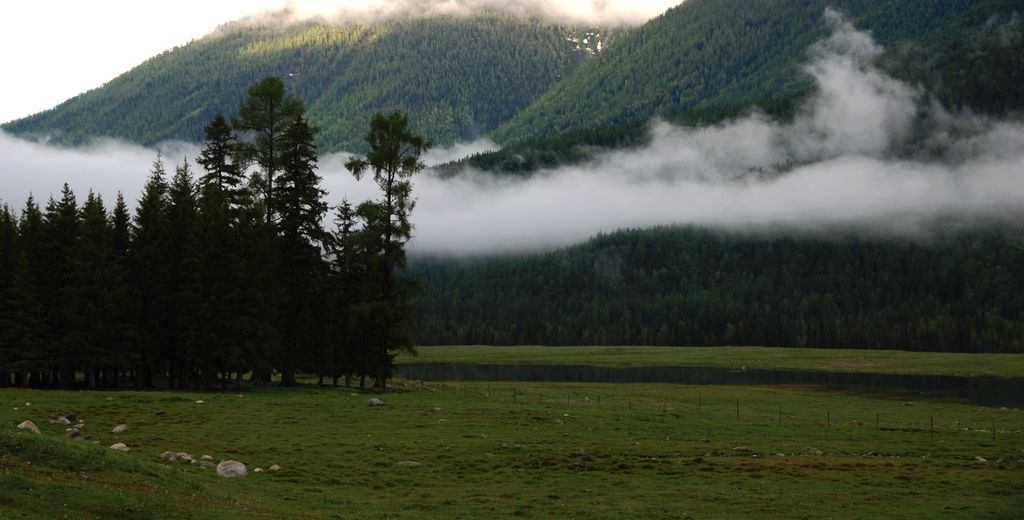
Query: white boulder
231, 468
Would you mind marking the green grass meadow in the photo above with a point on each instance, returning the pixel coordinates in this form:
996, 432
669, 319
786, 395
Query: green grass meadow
536, 450
820, 359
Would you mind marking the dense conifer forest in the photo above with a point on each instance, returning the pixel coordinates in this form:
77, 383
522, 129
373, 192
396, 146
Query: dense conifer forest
216, 273
720, 54
457, 77
957, 291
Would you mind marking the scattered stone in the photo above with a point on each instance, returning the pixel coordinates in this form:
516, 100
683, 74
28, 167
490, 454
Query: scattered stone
120, 447
120, 428
182, 457
74, 435
63, 420
410, 463
375, 401
979, 458
437, 409
30, 426
200, 401
27, 403
231, 468
258, 470
275, 467
207, 464
206, 457
80, 425
168, 456
815, 451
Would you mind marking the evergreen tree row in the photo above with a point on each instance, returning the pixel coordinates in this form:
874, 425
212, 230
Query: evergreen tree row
216, 275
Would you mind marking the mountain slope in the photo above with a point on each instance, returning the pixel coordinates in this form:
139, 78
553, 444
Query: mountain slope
721, 53
460, 77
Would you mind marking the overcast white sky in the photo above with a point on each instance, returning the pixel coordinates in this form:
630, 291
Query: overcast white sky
51, 50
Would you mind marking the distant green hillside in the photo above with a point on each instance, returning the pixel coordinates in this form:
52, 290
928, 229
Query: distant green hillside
691, 286
710, 54
459, 77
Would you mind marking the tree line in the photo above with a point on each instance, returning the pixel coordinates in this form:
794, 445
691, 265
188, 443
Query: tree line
218, 273
957, 291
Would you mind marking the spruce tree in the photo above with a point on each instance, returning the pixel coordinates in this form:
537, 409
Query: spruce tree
220, 160
97, 304
149, 275
24, 328
9, 254
300, 211
186, 316
59, 289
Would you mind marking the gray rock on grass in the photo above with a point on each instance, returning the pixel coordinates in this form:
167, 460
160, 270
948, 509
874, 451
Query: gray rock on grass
30, 426
120, 428
231, 468
375, 401
120, 447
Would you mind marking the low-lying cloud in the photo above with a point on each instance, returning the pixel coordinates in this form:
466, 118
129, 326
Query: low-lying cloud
851, 158
605, 13
854, 157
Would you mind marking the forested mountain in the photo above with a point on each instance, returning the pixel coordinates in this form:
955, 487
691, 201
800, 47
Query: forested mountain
688, 286
522, 79
714, 54
458, 77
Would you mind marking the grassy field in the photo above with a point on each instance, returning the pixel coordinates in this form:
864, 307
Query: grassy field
529, 450
836, 360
